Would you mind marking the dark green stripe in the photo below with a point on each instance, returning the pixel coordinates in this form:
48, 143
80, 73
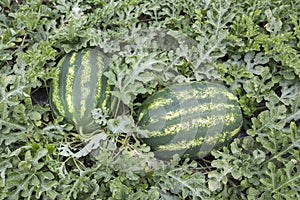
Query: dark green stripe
91, 63
103, 84
193, 153
93, 80
62, 84
198, 151
152, 113
55, 100
159, 116
76, 90
95, 77
191, 134
161, 113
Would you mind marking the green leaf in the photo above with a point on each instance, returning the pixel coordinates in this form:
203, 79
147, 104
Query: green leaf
289, 91
269, 119
40, 154
118, 189
153, 194
35, 116
281, 143
259, 87
274, 25
3, 168
255, 62
128, 78
279, 180
183, 182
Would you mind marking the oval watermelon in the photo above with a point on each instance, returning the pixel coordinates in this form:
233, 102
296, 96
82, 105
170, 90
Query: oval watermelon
190, 119
79, 87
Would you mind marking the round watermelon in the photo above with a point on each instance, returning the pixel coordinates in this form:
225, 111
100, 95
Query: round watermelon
80, 87
190, 119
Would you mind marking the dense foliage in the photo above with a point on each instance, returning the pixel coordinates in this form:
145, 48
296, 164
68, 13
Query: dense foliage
251, 46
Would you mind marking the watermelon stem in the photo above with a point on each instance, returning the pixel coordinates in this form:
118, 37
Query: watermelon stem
87, 135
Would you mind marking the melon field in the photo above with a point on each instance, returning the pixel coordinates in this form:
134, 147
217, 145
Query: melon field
169, 99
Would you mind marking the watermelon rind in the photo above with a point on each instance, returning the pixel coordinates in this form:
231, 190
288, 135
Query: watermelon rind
190, 119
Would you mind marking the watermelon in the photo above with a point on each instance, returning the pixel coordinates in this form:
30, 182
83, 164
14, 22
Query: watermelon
189, 119
80, 87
